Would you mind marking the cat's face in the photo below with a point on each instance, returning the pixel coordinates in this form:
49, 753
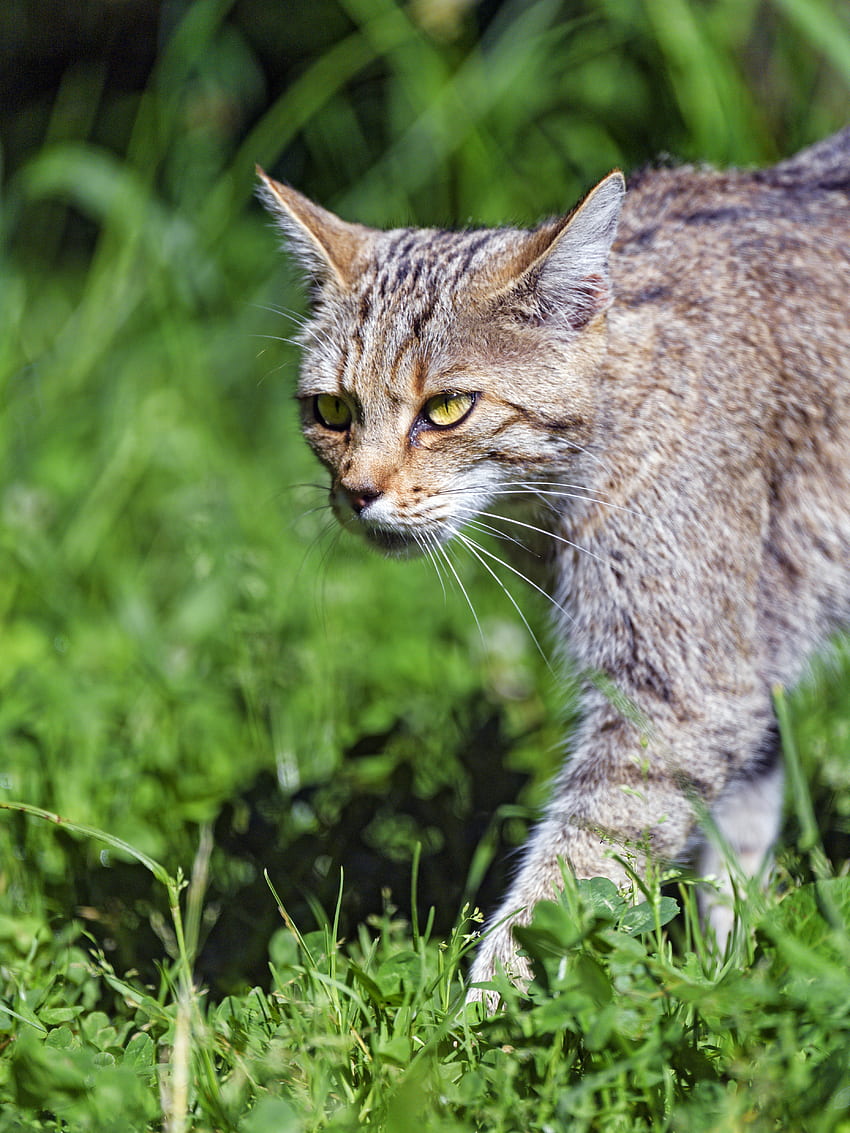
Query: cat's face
442, 370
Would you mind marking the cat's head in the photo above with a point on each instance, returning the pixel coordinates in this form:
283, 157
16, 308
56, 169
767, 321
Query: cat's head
443, 369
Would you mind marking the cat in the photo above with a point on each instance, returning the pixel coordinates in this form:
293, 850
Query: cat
658, 382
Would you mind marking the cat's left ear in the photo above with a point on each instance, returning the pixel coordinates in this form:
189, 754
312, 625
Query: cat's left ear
565, 270
327, 247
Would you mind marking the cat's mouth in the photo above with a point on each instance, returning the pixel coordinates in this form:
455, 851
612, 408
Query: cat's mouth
381, 530
392, 541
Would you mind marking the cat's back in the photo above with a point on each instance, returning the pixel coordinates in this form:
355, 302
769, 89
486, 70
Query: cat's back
692, 221
746, 271
729, 349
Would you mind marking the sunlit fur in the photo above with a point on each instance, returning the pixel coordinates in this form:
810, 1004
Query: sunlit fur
669, 413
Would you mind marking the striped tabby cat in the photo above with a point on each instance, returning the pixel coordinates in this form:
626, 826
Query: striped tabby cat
659, 383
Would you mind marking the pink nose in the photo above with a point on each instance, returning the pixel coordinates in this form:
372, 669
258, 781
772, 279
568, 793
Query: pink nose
360, 498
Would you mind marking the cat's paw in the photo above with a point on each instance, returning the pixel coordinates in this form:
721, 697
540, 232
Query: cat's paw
497, 955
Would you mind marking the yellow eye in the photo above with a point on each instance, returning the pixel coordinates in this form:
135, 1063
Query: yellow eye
448, 409
332, 412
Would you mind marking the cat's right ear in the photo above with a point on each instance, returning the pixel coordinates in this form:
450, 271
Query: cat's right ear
327, 247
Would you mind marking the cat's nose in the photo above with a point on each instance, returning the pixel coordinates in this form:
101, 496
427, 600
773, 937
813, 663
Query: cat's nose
360, 498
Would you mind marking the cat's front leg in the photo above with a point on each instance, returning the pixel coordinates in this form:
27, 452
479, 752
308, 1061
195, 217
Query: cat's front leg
626, 792
552, 847
588, 819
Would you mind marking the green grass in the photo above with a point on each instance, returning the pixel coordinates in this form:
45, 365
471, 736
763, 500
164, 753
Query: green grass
193, 665
622, 1029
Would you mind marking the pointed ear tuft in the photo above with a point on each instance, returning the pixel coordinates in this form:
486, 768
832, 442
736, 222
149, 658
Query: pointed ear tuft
326, 247
561, 273
574, 281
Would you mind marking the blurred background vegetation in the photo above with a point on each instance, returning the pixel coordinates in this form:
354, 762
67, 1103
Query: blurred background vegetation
184, 642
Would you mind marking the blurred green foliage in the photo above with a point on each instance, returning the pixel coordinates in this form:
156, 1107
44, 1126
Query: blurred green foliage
184, 641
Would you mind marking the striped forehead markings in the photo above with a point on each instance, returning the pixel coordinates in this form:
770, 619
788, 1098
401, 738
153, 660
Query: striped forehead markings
408, 281
414, 272
432, 258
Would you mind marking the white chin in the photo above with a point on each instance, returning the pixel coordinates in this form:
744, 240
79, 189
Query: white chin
397, 544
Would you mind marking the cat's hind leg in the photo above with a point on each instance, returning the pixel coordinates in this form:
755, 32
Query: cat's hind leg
740, 836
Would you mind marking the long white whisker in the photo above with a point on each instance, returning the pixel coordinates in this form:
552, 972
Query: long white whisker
319, 335
473, 548
529, 485
428, 543
489, 529
285, 312
545, 490
543, 531
303, 322
545, 493
274, 370
443, 552
592, 456
553, 601
276, 338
